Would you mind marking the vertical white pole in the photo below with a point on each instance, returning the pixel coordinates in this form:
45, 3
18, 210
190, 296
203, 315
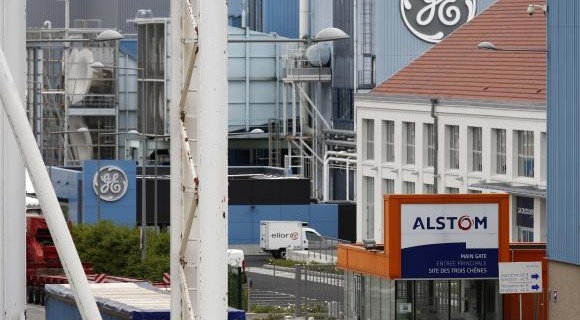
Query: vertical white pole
347, 179
175, 194
325, 177
213, 144
16, 116
12, 190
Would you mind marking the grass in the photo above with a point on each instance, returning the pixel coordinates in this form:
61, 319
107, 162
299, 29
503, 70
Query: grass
318, 310
312, 266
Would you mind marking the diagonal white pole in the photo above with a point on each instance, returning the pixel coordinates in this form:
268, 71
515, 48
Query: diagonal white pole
15, 112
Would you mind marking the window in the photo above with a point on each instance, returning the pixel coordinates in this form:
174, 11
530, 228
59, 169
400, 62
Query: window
311, 236
368, 139
409, 128
476, 158
524, 209
500, 147
389, 138
451, 190
543, 155
343, 100
369, 206
474, 191
525, 234
453, 137
408, 187
430, 130
428, 188
388, 186
525, 153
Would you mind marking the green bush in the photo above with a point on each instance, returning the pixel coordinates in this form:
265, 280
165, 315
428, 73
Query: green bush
115, 250
235, 279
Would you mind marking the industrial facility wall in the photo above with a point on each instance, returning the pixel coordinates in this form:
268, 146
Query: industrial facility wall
67, 185
280, 17
563, 134
244, 220
103, 13
396, 46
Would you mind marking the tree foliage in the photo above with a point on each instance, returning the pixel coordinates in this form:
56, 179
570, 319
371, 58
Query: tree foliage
115, 250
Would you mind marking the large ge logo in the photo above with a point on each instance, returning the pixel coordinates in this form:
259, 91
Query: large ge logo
110, 183
433, 20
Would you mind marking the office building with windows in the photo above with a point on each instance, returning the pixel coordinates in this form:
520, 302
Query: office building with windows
457, 120
461, 120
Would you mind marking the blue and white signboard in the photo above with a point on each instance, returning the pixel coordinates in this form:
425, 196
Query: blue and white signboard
520, 277
440, 241
109, 191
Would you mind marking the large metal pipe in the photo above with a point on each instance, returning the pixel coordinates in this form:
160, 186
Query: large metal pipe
14, 110
304, 19
12, 190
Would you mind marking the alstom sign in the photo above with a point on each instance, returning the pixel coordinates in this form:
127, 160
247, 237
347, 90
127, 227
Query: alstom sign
449, 240
464, 223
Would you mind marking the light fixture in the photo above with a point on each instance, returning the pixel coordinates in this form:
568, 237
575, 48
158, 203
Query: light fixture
97, 65
144, 14
532, 8
257, 130
327, 34
369, 243
488, 45
330, 34
108, 35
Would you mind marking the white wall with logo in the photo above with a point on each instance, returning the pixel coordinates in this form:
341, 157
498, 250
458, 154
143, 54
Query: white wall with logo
395, 45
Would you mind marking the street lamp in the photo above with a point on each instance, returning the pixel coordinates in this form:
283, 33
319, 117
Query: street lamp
143, 138
488, 45
103, 36
327, 34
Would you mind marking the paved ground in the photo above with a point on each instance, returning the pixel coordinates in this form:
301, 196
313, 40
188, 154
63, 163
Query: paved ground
34, 312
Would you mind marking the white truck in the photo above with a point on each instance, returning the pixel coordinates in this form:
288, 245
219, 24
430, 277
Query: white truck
278, 236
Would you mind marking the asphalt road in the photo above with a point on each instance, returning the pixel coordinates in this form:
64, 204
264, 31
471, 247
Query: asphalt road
34, 312
279, 287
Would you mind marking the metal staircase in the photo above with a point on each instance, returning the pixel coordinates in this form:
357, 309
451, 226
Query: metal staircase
302, 119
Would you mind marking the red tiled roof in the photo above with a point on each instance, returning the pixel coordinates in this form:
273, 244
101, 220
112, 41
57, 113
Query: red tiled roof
456, 69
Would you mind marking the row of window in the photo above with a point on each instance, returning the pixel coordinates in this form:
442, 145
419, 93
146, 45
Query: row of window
525, 146
388, 187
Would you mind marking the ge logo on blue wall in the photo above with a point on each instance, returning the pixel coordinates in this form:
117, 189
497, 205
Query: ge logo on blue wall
110, 183
433, 20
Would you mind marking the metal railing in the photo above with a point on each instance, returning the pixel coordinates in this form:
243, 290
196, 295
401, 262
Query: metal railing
324, 249
305, 290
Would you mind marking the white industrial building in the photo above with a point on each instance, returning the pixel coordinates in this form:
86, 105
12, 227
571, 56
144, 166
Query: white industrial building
481, 147
489, 109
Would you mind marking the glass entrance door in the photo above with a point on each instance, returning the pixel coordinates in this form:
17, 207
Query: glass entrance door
448, 300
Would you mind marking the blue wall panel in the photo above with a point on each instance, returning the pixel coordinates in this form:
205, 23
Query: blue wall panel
244, 220
67, 185
563, 133
396, 46
121, 211
280, 17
